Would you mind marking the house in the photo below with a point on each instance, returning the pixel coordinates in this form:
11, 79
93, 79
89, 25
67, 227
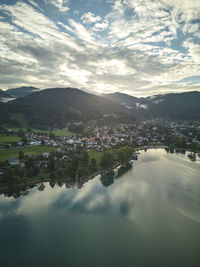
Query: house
20, 143
22, 164
70, 142
46, 155
13, 161
66, 158
43, 164
60, 150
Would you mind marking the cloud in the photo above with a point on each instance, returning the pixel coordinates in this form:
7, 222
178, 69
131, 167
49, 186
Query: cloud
101, 26
194, 51
29, 19
139, 47
98, 24
62, 5
81, 32
89, 18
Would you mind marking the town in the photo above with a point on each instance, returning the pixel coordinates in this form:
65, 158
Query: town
83, 150
184, 135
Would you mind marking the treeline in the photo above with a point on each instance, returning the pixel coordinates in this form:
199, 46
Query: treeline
74, 166
121, 155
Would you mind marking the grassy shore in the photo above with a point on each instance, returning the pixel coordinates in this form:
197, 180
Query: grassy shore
8, 138
14, 152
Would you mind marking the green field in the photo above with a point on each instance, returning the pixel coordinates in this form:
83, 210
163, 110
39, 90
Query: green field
93, 154
25, 129
8, 138
63, 132
8, 153
60, 132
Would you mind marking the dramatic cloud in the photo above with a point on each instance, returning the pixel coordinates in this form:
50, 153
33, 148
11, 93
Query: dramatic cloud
139, 47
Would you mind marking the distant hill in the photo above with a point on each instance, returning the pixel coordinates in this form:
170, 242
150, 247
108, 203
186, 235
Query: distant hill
22, 91
123, 99
5, 97
62, 98
4, 94
57, 106
173, 106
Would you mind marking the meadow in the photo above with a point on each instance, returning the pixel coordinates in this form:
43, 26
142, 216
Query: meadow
14, 152
59, 132
9, 138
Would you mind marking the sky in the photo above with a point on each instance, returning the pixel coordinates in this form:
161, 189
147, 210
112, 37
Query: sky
139, 47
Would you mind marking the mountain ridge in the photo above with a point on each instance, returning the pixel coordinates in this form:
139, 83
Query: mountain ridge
55, 107
185, 105
4, 94
21, 91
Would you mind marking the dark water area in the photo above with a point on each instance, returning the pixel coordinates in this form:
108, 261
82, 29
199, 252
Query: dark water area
143, 215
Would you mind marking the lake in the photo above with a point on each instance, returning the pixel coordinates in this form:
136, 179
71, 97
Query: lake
145, 214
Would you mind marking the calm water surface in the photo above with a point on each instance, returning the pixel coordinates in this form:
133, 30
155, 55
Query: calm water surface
148, 215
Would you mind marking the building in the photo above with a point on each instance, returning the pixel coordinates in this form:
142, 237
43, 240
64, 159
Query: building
13, 161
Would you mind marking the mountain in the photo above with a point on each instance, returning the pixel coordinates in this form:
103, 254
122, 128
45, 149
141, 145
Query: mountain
175, 105
22, 91
62, 98
170, 106
56, 107
5, 97
4, 94
123, 99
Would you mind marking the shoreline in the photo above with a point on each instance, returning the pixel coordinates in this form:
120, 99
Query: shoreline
86, 179
34, 183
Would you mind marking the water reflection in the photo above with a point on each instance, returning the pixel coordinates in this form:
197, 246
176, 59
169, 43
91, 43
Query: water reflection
150, 208
108, 178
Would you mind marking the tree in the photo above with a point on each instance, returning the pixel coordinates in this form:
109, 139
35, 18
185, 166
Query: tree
29, 162
94, 164
59, 173
107, 179
107, 160
52, 184
36, 170
52, 164
52, 175
21, 133
52, 136
30, 172
21, 155
85, 157
42, 142
171, 148
8, 176
16, 179
124, 154
82, 171
29, 130
194, 147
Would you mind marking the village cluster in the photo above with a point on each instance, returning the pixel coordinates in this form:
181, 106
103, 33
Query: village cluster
148, 133
105, 137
